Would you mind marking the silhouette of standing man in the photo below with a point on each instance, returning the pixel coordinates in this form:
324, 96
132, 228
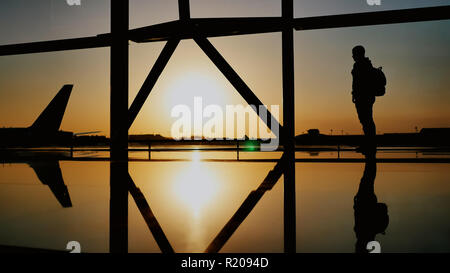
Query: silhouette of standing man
363, 98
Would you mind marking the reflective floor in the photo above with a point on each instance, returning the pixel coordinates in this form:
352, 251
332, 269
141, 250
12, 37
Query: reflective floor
192, 200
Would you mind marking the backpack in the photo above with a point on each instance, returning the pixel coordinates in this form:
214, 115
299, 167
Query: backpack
379, 82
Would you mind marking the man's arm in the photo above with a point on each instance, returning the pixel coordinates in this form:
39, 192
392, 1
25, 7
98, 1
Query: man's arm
354, 84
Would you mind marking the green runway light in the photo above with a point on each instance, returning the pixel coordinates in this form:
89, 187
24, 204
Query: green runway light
251, 145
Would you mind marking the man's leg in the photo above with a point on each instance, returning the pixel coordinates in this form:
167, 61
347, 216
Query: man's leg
365, 115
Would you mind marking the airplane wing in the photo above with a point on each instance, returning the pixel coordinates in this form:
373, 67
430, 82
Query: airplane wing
86, 133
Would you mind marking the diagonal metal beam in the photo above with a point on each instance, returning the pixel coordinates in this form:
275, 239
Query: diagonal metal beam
151, 79
149, 217
235, 80
247, 206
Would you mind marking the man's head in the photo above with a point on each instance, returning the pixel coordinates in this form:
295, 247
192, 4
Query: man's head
358, 53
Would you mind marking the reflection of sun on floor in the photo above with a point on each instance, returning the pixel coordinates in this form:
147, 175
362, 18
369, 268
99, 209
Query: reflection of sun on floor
196, 186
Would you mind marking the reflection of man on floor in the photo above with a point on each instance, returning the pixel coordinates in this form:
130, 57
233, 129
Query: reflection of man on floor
364, 98
371, 217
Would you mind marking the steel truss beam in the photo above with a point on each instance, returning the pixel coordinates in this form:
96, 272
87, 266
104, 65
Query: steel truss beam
149, 217
247, 206
218, 27
151, 79
289, 128
235, 80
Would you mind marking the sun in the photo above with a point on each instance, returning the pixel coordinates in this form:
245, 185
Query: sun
187, 86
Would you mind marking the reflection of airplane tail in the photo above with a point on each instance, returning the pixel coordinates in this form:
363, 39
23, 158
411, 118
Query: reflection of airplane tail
49, 173
50, 119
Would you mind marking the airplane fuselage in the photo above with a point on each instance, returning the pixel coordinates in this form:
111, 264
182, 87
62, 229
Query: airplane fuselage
29, 137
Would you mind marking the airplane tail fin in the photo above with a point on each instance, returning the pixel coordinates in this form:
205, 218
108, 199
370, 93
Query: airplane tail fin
50, 119
49, 173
